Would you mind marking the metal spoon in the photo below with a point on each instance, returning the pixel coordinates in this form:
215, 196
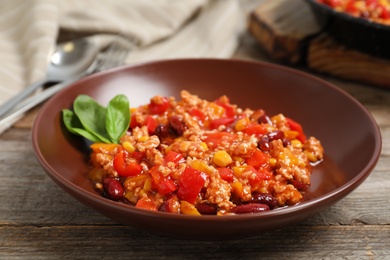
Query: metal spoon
69, 60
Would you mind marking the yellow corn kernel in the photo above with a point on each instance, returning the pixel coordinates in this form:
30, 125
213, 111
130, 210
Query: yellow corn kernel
183, 146
103, 147
217, 111
242, 124
179, 139
239, 170
310, 156
278, 119
238, 159
148, 184
204, 146
296, 143
222, 158
290, 134
201, 166
143, 138
237, 188
129, 195
128, 147
133, 110
272, 162
288, 157
135, 181
167, 149
188, 208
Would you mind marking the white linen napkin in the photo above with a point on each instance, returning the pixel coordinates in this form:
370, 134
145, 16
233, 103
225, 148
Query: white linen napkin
161, 29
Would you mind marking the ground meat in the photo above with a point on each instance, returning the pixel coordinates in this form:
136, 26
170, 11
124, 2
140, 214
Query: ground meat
218, 192
313, 146
179, 154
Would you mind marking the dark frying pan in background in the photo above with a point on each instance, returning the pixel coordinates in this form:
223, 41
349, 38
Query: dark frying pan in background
357, 33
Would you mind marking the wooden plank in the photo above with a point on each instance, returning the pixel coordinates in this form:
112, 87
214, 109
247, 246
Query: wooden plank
283, 28
325, 55
289, 32
297, 242
28, 119
34, 199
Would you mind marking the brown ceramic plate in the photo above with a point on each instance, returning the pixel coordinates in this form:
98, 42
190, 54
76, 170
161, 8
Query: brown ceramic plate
348, 133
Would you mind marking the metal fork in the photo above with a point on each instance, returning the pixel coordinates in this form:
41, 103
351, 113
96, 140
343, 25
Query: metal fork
113, 56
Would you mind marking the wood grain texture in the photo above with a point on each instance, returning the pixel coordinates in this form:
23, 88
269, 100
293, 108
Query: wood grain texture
108, 242
289, 32
38, 220
327, 56
284, 28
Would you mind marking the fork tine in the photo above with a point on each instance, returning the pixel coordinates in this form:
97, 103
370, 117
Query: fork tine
115, 54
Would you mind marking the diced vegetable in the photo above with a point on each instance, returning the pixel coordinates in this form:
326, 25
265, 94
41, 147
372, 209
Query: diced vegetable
126, 168
190, 183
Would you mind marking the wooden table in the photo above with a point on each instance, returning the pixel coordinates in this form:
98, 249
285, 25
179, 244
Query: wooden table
39, 220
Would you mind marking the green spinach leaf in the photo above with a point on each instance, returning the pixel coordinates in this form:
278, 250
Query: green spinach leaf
92, 116
74, 125
118, 117
97, 123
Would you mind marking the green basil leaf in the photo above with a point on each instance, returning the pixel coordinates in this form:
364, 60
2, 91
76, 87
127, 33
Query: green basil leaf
92, 116
74, 125
117, 117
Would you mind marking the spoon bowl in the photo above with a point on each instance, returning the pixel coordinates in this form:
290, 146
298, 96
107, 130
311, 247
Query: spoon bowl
69, 60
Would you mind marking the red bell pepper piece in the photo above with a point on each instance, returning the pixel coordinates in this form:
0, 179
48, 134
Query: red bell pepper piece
215, 123
258, 159
174, 157
190, 184
384, 14
259, 175
138, 156
296, 127
350, 7
164, 184
255, 129
160, 107
124, 168
151, 124
225, 103
133, 122
197, 113
215, 139
146, 203
226, 174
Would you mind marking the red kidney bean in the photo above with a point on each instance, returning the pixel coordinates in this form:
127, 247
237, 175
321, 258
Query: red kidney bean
265, 198
300, 186
113, 188
264, 119
161, 131
176, 126
275, 135
264, 143
286, 142
205, 208
250, 208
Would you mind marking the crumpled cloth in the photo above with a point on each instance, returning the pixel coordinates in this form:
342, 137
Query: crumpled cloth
160, 29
